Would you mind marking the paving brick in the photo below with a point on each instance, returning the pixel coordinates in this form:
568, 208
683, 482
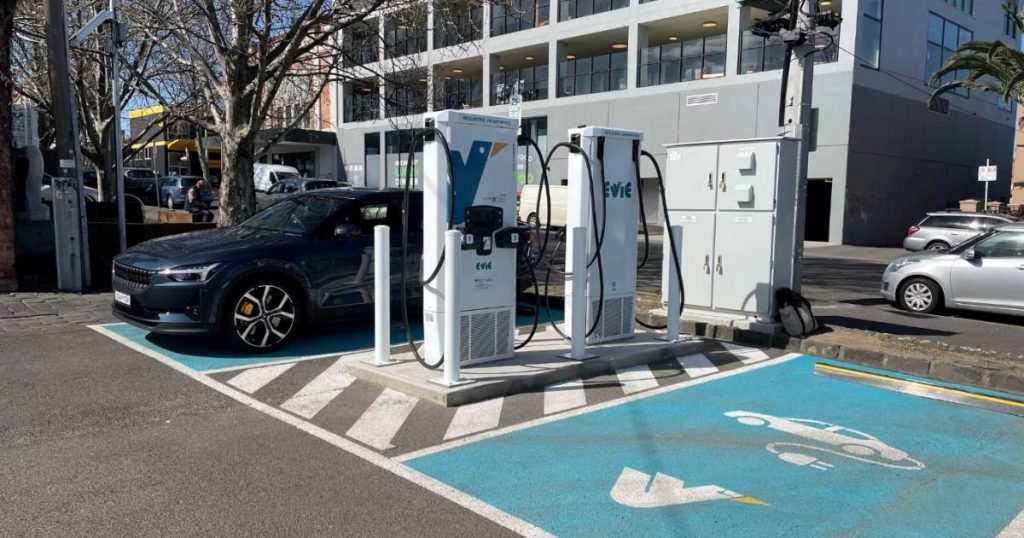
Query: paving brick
1009, 381
907, 365
862, 356
956, 373
825, 351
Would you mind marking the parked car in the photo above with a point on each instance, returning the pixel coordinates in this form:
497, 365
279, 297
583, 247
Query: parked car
265, 175
301, 261
174, 190
290, 186
142, 183
984, 273
46, 192
942, 230
529, 213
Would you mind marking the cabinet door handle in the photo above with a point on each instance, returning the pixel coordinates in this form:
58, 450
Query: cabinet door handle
722, 183
711, 181
718, 267
707, 264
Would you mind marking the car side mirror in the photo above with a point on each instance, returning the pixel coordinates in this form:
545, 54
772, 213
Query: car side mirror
970, 254
346, 231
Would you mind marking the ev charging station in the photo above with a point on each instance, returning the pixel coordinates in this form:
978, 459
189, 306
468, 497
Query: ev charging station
482, 150
611, 280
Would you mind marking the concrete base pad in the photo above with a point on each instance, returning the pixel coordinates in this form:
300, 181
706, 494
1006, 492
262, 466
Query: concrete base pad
537, 365
735, 321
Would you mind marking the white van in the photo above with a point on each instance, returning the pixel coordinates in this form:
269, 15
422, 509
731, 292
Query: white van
529, 213
265, 175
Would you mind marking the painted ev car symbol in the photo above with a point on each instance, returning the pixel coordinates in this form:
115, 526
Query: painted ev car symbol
848, 443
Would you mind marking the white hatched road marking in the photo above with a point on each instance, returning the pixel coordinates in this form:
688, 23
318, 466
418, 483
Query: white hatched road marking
1015, 529
475, 418
697, 365
564, 396
254, 379
320, 391
746, 355
636, 378
382, 419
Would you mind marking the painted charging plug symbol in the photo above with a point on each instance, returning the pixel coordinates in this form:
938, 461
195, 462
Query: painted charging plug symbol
804, 460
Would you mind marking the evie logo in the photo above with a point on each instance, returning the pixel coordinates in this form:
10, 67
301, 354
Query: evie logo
483, 266
618, 189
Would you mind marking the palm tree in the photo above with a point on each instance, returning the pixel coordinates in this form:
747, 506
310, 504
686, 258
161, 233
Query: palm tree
991, 66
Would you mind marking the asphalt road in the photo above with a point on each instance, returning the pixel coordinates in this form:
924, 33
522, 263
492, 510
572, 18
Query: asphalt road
844, 292
98, 439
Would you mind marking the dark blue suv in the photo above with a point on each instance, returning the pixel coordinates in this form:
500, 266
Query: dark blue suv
307, 259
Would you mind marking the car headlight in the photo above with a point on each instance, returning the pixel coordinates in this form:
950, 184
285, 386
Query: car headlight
191, 273
901, 263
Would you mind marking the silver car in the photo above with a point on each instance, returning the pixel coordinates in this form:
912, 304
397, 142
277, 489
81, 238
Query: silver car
984, 273
942, 230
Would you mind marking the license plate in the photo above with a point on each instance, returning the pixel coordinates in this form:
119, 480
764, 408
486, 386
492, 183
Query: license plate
123, 298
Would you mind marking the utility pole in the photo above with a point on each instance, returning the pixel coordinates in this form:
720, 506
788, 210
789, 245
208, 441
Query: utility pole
116, 39
71, 232
797, 116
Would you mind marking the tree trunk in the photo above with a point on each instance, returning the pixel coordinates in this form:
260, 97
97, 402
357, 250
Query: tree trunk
237, 191
204, 163
8, 274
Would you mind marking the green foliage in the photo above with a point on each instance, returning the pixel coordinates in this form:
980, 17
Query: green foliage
991, 66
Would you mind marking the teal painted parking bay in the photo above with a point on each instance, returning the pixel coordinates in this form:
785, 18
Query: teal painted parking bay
774, 451
207, 353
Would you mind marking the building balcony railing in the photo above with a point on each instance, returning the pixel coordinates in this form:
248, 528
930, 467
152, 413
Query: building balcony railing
530, 82
460, 94
693, 59
582, 76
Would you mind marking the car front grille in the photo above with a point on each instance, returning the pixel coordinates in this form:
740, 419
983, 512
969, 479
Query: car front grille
132, 276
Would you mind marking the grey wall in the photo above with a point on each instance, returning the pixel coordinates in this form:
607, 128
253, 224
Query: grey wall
906, 160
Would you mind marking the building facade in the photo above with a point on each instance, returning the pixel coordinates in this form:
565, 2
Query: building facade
690, 71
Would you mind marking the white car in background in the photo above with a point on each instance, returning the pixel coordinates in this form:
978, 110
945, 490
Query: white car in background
46, 192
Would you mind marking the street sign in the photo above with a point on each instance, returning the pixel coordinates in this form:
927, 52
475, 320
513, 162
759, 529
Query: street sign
987, 173
515, 106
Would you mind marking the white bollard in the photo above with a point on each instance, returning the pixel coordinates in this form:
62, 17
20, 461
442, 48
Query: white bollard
674, 295
578, 327
382, 296
452, 304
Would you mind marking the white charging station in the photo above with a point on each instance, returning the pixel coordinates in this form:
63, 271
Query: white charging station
616, 150
483, 151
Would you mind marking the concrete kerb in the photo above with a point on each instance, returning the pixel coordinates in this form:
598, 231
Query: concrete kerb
534, 377
1006, 377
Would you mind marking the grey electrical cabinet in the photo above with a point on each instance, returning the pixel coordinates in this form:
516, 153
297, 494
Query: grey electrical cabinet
737, 203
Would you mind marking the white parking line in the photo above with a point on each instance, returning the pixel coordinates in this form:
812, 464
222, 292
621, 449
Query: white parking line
746, 355
320, 391
382, 420
636, 378
697, 365
474, 418
564, 396
253, 379
1015, 529
428, 483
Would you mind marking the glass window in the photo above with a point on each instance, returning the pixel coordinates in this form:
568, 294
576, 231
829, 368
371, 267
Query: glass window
1001, 245
941, 47
869, 46
693, 47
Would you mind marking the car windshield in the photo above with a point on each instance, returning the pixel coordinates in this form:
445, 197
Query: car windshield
282, 176
299, 216
971, 242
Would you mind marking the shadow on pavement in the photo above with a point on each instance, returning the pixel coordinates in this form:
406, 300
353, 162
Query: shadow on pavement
883, 327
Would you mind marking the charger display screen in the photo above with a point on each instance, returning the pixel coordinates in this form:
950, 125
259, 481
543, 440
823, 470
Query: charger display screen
483, 217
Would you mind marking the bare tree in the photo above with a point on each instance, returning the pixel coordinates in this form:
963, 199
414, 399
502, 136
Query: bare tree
90, 74
8, 274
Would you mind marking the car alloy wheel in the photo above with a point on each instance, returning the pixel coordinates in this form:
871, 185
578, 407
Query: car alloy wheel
918, 296
264, 316
938, 247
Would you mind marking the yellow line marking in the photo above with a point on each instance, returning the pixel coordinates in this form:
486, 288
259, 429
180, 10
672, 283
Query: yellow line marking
848, 371
749, 500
